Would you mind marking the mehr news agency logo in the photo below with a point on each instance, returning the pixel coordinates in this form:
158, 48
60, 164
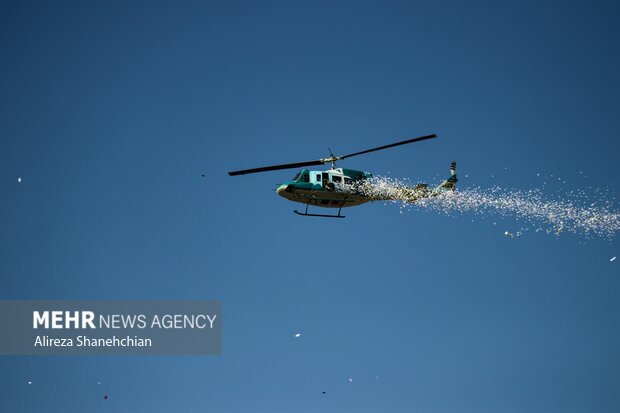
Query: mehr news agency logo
88, 320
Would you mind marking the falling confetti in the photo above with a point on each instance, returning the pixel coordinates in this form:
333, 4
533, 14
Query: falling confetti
298, 335
105, 397
587, 212
29, 382
19, 179
350, 380
508, 234
612, 259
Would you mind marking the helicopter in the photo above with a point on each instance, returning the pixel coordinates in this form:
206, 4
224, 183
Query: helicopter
341, 187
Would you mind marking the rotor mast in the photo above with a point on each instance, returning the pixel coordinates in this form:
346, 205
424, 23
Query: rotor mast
332, 158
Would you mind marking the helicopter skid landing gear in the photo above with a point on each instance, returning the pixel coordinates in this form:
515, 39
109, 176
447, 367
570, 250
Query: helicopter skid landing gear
306, 214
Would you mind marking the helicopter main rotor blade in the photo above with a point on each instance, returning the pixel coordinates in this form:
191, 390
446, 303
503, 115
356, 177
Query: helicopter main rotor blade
276, 167
421, 138
325, 160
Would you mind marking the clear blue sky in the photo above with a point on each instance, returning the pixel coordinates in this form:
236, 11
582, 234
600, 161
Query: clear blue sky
111, 111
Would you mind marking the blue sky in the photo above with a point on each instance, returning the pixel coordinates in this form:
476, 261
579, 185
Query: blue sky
111, 111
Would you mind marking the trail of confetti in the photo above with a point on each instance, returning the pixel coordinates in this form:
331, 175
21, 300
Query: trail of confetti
585, 212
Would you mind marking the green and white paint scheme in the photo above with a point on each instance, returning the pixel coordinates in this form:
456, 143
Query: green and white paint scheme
335, 188
341, 188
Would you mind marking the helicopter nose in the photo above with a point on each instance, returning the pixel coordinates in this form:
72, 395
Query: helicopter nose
285, 188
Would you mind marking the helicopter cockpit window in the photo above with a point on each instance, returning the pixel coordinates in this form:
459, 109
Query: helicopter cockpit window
296, 176
305, 177
347, 181
336, 179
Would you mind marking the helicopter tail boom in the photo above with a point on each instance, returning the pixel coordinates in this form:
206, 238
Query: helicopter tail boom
420, 191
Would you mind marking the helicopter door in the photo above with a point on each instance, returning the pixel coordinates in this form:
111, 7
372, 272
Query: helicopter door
326, 184
337, 181
325, 180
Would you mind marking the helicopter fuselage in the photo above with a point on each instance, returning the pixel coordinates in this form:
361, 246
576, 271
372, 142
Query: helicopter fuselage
341, 188
334, 188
